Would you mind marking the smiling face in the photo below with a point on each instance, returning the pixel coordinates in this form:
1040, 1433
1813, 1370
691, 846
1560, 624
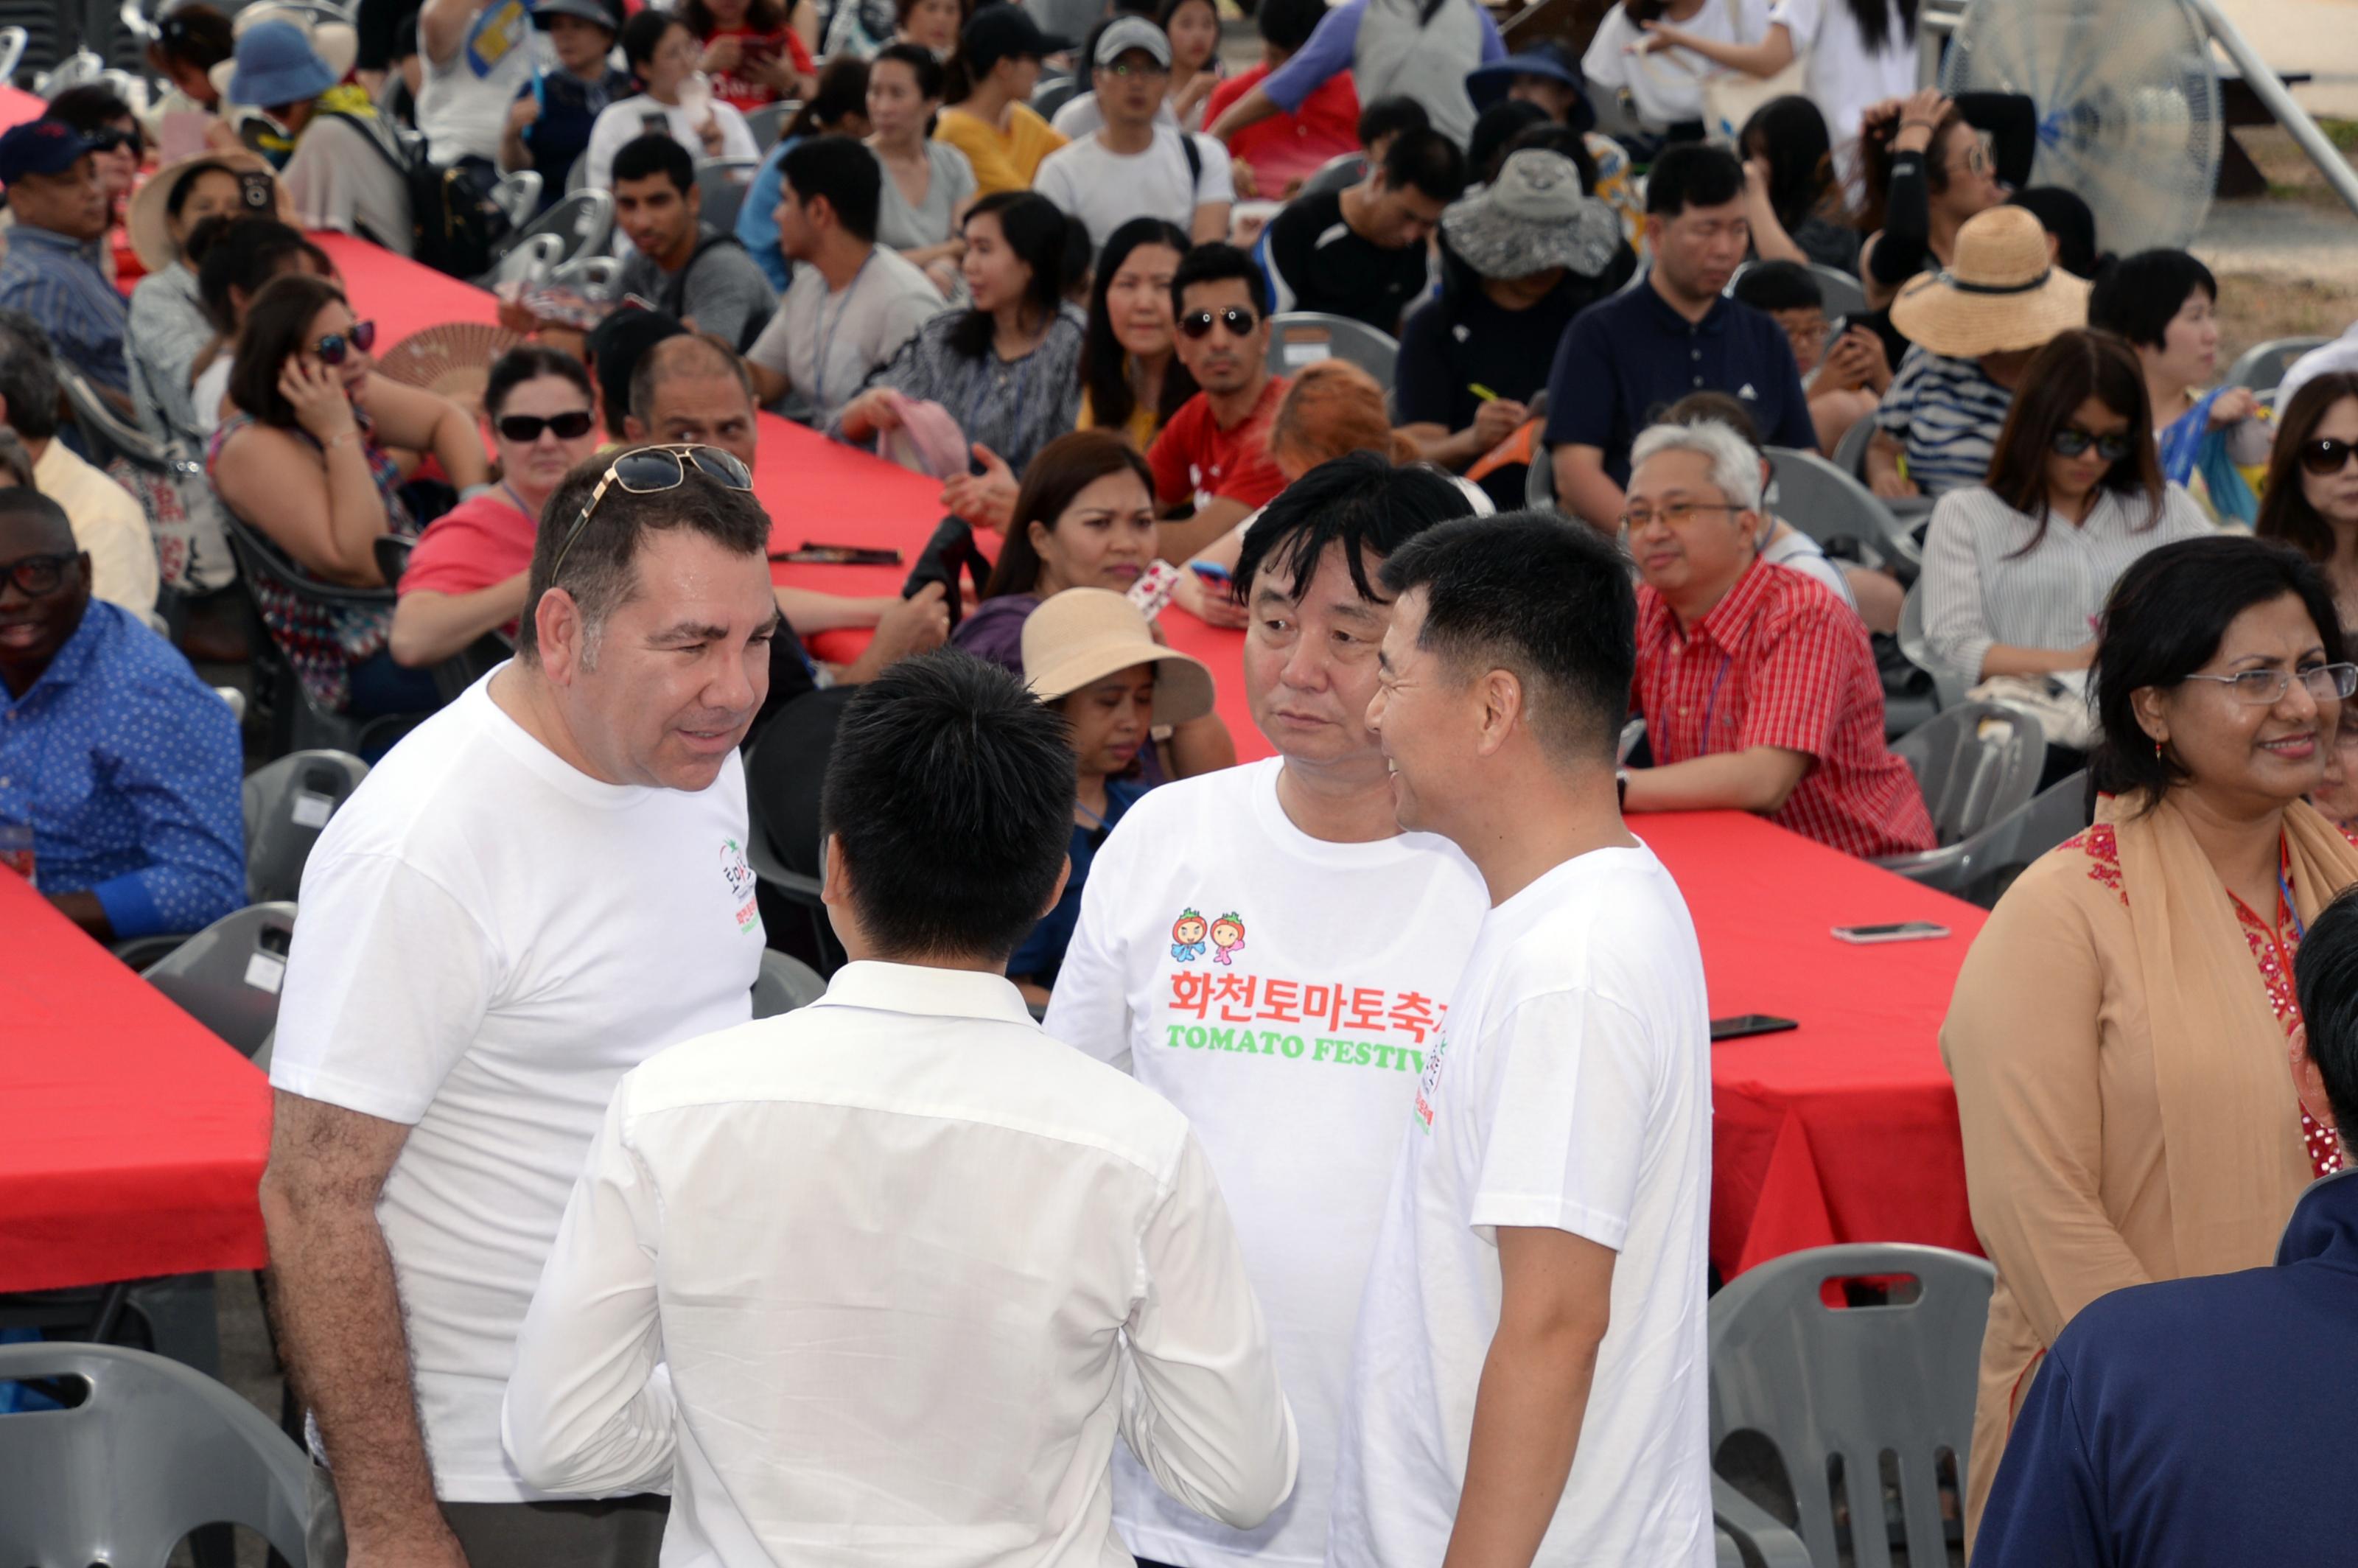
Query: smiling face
1187, 930
1109, 719
1137, 301
1689, 542
1104, 539
1422, 718
535, 467
2247, 757
1310, 666
35, 625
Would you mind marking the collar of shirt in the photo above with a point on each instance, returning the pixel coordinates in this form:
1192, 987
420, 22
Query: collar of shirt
1727, 625
1714, 322
88, 251
73, 660
926, 992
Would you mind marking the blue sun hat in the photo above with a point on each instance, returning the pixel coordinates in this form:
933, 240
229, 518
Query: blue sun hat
1488, 84
275, 65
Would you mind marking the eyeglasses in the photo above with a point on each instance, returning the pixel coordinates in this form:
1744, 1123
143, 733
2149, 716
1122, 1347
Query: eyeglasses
2326, 683
35, 575
1238, 320
336, 347
1123, 67
651, 470
113, 138
2328, 456
525, 428
1672, 513
2071, 441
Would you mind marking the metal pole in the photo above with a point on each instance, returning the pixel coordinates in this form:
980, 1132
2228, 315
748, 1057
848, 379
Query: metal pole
2271, 92
1934, 24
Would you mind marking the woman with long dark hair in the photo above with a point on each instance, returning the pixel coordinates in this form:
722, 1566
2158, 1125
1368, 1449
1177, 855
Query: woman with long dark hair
1790, 194
2310, 497
928, 184
1131, 379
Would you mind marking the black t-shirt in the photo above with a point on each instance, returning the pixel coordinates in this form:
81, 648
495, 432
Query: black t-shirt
1467, 340
1315, 262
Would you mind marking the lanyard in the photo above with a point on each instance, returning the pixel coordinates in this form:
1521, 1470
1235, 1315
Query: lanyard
1711, 704
827, 332
530, 515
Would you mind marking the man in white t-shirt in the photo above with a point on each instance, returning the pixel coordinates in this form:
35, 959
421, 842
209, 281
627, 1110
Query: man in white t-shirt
1528, 1380
1133, 166
1267, 949
539, 887
476, 56
852, 302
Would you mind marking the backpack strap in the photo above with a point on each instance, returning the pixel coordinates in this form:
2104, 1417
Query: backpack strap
1194, 157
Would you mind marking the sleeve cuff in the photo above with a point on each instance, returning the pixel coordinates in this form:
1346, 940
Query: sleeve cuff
130, 906
1544, 1211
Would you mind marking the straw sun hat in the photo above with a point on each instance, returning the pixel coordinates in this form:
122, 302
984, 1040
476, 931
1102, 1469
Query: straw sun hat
149, 225
1999, 294
1084, 634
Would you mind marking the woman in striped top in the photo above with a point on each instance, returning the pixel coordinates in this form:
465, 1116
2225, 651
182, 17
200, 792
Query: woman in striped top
2015, 569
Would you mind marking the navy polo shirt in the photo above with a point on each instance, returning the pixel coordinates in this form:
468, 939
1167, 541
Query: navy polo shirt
1628, 359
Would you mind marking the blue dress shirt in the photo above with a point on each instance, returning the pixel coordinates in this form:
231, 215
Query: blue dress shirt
62, 284
128, 768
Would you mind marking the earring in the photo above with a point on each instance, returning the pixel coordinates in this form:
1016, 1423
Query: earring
2156, 751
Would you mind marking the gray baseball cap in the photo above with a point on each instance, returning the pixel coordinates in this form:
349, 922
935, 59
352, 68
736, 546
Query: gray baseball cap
588, 10
1127, 33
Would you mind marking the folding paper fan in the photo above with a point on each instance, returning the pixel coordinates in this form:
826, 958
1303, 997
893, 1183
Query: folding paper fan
453, 360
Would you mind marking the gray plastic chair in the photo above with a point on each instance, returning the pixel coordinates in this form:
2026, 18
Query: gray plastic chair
595, 279
1948, 685
1299, 338
769, 121
1338, 173
1841, 292
530, 262
1865, 1384
286, 803
2261, 366
583, 220
110, 434
2053, 816
518, 195
723, 182
1977, 764
1821, 501
784, 984
227, 976
154, 1451
1053, 94
1850, 453
1538, 479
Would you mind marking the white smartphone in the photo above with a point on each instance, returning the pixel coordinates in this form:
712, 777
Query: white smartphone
1904, 931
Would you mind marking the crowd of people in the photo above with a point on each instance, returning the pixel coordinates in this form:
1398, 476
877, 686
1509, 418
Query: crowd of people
574, 1263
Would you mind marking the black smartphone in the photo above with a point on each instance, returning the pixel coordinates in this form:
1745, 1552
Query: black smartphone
1748, 1023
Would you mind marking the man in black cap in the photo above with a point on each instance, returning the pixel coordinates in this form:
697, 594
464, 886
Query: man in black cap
548, 123
52, 271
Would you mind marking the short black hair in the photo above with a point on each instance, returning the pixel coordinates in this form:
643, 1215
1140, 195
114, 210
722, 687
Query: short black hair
1210, 264
1540, 595
243, 254
2136, 297
530, 361
643, 157
1288, 24
91, 108
921, 63
644, 34
2325, 979
28, 376
1779, 286
2069, 221
843, 172
1693, 174
17, 498
616, 346
2163, 622
1429, 162
1358, 501
1389, 116
1496, 126
949, 796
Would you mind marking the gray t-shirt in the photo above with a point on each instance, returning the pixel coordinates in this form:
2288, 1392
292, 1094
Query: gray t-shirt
906, 228
337, 181
722, 288
827, 343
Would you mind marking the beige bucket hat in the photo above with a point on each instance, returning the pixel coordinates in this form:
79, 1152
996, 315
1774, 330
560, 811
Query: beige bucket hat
150, 226
1084, 635
2000, 294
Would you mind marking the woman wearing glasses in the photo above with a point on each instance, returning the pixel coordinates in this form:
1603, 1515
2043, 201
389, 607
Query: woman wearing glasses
2311, 492
300, 461
2017, 567
466, 577
2118, 1033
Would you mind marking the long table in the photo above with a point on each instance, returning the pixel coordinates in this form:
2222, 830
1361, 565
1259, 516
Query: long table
135, 1137
1843, 1129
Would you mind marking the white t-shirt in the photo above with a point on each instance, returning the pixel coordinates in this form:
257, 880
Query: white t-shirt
826, 344
464, 103
1797, 552
1843, 79
1294, 1053
1667, 88
1573, 1094
489, 940
210, 388
618, 124
1080, 117
1106, 190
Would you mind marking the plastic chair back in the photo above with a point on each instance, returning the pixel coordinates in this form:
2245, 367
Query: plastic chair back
723, 182
1338, 173
2262, 365
153, 1451
582, 221
529, 263
13, 43
1841, 293
1850, 453
110, 434
769, 121
2054, 815
1977, 764
784, 775
296, 721
518, 195
287, 802
227, 976
1821, 501
1053, 94
594, 278
1299, 338
1539, 477
784, 984
1886, 1389
1948, 686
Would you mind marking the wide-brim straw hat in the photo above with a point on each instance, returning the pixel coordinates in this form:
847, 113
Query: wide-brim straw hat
1084, 634
2000, 294
150, 224
1533, 218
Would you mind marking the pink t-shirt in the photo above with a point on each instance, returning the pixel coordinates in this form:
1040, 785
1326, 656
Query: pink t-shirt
479, 542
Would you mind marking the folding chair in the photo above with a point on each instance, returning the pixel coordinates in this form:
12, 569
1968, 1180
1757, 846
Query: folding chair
723, 182
1977, 764
2261, 366
1821, 501
2053, 815
784, 984
530, 262
1948, 686
1299, 338
1338, 173
518, 196
594, 278
582, 221
1842, 293
110, 434
287, 802
227, 976
769, 121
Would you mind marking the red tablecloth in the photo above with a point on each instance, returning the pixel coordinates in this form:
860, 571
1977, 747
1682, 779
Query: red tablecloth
17, 106
135, 1137
1844, 1129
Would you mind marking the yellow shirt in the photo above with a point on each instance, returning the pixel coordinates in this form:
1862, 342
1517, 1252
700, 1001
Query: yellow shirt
1140, 429
1001, 161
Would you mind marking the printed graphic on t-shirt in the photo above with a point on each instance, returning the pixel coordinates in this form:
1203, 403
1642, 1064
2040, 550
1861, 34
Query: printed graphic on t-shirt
1322, 1022
741, 880
1428, 1083
499, 30
1228, 936
1187, 936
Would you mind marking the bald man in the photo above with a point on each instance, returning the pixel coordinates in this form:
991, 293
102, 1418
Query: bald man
124, 761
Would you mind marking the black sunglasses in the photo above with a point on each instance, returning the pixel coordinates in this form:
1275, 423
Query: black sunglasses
35, 575
2069, 442
2327, 456
520, 429
650, 471
333, 349
113, 138
1238, 320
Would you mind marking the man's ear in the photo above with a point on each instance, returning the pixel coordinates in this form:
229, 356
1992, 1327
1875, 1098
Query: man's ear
1500, 693
2308, 1082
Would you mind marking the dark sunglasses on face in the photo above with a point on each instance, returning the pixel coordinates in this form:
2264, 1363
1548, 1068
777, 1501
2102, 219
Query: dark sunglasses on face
650, 471
1238, 320
2328, 456
35, 575
333, 348
2072, 441
523, 429
113, 138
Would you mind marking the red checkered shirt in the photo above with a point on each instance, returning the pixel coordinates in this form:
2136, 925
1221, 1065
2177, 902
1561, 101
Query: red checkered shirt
1781, 661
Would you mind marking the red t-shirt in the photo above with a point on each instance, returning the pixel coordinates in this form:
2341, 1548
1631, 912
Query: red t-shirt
1194, 460
476, 543
742, 92
1287, 147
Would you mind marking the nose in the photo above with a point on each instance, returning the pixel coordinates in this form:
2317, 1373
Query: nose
731, 688
2298, 702
1305, 665
1375, 712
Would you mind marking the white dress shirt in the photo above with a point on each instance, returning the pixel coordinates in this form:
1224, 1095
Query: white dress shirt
908, 1263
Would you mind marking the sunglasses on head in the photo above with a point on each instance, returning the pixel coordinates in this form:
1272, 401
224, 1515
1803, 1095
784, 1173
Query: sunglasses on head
333, 348
650, 471
2327, 456
523, 429
1238, 320
2070, 442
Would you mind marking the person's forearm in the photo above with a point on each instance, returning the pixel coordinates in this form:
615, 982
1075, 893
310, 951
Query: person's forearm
428, 628
2013, 659
1436, 444
1528, 1410
1251, 109
1768, 236
1211, 223
1884, 454
769, 385
1750, 780
1765, 58
461, 450
1180, 537
84, 909
809, 611
514, 154
924, 256
356, 514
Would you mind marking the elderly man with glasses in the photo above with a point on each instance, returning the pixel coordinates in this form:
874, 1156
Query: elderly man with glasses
1212, 467
541, 887
1758, 685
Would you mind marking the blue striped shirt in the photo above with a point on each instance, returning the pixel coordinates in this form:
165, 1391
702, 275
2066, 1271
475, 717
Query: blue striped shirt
1947, 414
59, 283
